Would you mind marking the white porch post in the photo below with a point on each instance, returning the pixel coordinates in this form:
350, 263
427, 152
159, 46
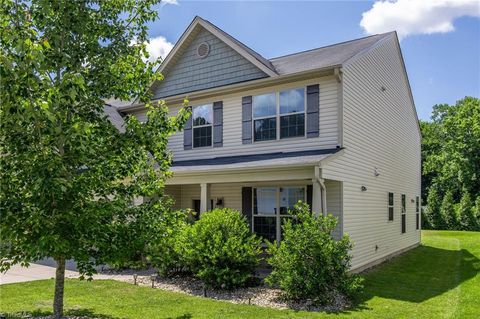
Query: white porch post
205, 205
316, 197
319, 193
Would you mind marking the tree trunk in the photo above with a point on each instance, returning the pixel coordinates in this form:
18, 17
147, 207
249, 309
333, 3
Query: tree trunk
59, 285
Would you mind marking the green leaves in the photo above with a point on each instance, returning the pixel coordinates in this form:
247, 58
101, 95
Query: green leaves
220, 249
309, 263
68, 175
450, 158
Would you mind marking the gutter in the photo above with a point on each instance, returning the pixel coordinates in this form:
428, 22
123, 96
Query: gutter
237, 87
321, 182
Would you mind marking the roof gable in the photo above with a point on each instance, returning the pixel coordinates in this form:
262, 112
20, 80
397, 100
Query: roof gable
227, 62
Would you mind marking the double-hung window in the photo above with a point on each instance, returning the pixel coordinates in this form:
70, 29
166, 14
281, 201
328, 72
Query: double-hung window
265, 117
279, 115
271, 206
292, 113
390, 206
202, 125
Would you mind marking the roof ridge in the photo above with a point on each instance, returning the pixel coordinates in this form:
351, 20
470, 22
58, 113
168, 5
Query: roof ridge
331, 45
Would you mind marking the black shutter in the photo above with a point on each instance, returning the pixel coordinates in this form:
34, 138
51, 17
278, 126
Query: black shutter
218, 124
404, 223
313, 107
310, 196
247, 209
187, 134
246, 120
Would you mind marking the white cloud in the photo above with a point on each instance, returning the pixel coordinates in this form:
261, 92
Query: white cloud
410, 17
158, 47
165, 2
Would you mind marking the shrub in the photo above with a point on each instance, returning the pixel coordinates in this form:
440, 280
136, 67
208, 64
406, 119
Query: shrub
309, 263
220, 249
162, 252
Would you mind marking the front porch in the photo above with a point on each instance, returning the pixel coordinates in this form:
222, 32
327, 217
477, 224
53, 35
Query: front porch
263, 196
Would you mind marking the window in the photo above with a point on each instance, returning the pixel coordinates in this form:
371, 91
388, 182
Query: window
283, 111
292, 113
404, 215
390, 206
264, 114
265, 211
417, 214
271, 206
202, 125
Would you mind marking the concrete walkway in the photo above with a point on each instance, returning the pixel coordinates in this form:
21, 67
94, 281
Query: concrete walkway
35, 271
45, 269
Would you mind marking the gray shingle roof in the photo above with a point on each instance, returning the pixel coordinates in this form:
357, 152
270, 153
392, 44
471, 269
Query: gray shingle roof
324, 57
318, 58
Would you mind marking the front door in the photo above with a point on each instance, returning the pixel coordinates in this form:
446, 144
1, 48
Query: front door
271, 206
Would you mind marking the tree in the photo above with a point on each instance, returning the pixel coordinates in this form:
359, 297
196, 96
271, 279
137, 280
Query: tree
448, 214
476, 212
451, 148
468, 221
68, 176
433, 209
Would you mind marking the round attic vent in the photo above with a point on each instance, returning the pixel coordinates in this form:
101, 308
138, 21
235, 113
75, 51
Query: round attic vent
203, 49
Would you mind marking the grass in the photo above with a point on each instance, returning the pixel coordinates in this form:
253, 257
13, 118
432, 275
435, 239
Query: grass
440, 279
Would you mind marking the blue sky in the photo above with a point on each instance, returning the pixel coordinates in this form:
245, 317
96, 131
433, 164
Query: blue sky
443, 65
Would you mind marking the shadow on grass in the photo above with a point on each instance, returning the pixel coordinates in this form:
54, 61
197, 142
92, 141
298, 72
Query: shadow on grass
418, 275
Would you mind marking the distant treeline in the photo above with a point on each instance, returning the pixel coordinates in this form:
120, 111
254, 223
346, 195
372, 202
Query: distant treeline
451, 166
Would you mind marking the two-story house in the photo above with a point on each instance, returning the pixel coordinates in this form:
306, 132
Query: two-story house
334, 126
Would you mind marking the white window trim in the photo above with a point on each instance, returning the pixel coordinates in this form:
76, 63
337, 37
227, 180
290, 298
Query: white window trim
391, 206
200, 126
403, 212
277, 116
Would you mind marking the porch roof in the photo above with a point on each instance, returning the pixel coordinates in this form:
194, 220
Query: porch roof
278, 159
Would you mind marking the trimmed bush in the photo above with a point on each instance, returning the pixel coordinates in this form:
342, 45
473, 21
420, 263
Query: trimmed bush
309, 263
162, 252
220, 250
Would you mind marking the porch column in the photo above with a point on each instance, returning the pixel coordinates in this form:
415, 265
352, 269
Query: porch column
316, 197
205, 204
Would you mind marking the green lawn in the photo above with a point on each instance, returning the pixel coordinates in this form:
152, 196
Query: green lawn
440, 279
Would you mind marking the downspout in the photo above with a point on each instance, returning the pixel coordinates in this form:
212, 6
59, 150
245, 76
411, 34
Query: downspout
323, 189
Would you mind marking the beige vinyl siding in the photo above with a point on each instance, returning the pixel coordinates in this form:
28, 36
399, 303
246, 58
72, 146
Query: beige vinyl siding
380, 130
189, 193
232, 125
334, 204
175, 191
184, 195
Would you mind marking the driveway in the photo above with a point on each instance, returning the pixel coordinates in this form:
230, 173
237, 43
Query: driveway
36, 271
